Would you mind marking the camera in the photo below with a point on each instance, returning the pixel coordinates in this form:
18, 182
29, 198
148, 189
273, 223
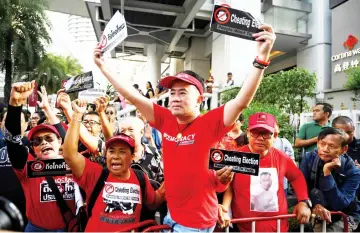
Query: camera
10, 216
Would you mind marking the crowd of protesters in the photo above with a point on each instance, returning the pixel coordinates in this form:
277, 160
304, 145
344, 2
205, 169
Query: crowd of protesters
127, 169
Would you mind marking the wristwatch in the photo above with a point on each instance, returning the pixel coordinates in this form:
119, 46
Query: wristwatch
308, 203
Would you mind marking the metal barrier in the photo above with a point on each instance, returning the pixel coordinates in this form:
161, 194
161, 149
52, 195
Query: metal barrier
139, 225
286, 216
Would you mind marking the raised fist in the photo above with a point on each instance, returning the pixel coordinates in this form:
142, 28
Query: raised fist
20, 92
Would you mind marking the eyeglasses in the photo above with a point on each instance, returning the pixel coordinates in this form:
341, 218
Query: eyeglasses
37, 141
265, 135
109, 113
91, 123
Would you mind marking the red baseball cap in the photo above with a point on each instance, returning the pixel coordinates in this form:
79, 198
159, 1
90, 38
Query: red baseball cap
123, 138
262, 120
42, 127
168, 81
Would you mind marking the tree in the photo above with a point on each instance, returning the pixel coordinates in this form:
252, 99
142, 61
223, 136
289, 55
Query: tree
53, 69
287, 90
353, 81
23, 35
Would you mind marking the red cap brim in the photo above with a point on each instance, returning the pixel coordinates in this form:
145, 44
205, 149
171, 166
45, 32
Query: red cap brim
122, 138
168, 81
42, 127
262, 126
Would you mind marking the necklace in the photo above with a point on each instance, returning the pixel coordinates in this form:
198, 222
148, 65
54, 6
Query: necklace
179, 135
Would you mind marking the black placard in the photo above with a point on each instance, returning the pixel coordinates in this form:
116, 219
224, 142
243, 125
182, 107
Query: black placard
242, 162
80, 82
49, 167
234, 22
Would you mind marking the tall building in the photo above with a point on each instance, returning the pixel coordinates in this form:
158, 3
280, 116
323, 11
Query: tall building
81, 29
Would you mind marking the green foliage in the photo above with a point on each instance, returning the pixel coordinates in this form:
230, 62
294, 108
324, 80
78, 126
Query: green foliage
286, 130
287, 90
23, 35
353, 81
229, 94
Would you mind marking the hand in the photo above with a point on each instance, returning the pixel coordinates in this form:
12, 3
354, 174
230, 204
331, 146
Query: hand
265, 41
302, 212
101, 103
20, 92
44, 104
357, 163
161, 189
63, 101
79, 106
334, 164
98, 56
225, 175
223, 217
322, 213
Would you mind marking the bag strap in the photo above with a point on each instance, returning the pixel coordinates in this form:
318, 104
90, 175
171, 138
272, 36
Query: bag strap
63, 207
97, 189
141, 178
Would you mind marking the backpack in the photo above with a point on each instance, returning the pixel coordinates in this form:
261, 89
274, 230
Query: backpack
146, 214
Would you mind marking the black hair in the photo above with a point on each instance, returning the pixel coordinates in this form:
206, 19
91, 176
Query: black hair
26, 115
195, 75
333, 131
229, 73
42, 120
91, 113
136, 86
342, 120
150, 85
241, 117
40, 113
326, 107
93, 106
265, 173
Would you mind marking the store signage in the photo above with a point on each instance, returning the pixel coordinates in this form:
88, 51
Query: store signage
349, 44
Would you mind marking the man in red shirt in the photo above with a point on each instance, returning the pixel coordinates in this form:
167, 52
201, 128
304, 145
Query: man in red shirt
263, 195
188, 136
119, 204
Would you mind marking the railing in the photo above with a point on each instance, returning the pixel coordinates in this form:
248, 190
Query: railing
138, 225
286, 216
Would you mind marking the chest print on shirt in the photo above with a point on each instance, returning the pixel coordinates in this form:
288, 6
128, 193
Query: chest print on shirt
181, 141
65, 186
120, 196
263, 191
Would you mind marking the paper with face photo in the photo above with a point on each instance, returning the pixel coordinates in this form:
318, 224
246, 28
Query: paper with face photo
263, 191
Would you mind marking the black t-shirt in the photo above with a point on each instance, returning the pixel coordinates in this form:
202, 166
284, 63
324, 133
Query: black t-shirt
148, 93
354, 150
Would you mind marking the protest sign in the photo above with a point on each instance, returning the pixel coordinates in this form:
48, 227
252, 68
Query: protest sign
234, 22
242, 162
49, 167
80, 82
115, 32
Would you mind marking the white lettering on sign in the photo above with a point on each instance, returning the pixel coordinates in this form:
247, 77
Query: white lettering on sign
241, 21
121, 192
65, 186
345, 54
54, 166
346, 65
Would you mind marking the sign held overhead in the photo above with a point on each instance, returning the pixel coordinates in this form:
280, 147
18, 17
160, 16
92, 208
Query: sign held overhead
234, 22
80, 82
115, 32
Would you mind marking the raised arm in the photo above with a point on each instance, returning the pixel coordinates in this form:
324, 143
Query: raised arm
101, 103
144, 105
18, 153
45, 106
234, 107
75, 160
86, 138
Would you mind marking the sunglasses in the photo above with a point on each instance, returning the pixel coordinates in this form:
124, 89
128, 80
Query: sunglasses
37, 141
109, 113
265, 135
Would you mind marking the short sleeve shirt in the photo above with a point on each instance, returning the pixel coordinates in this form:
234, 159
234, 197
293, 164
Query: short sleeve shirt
310, 130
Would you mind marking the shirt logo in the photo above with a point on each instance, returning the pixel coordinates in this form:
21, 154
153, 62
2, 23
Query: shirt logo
184, 140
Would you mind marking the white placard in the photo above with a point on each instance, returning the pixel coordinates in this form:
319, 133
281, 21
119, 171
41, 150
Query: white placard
115, 32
